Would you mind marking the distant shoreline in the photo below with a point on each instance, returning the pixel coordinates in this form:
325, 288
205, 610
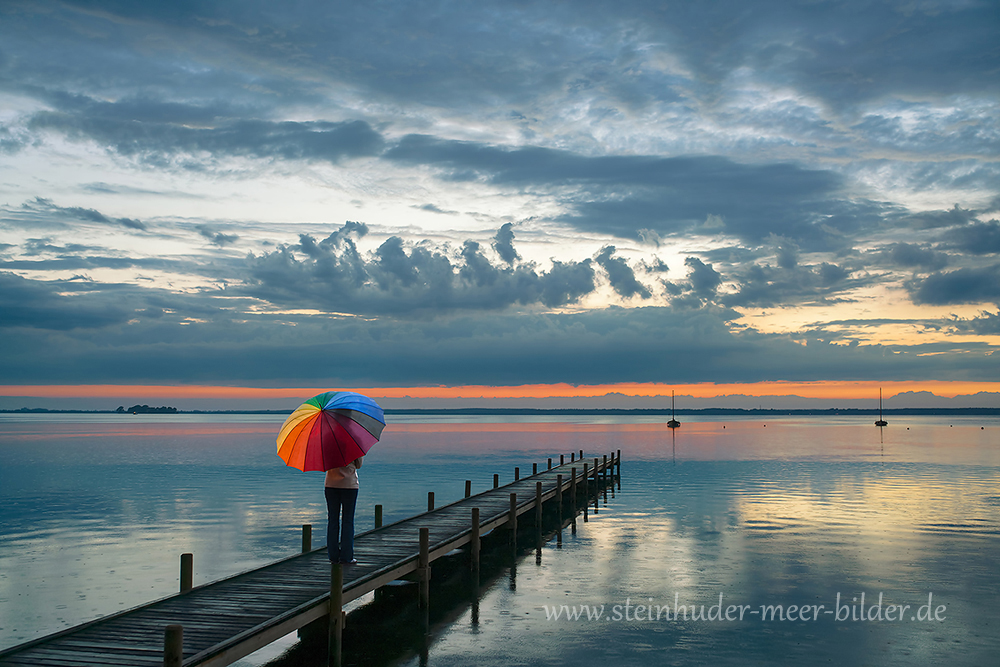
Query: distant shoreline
775, 412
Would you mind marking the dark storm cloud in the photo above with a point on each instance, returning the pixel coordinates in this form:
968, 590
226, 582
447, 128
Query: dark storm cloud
704, 279
151, 140
401, 278
43, 305
978, 238
216, 237
642, 345
503, 243
918, 257
629, 196
970, 285
620, 274
768, 286
987, 324
44, 212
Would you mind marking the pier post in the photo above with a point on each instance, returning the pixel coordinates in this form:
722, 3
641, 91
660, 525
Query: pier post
474, 540
559, 491
562, 459
307, 538
538, 505
581, 454
572, 457
173, 646
550, 465
604, 472
468, 488
496, 481
586, 483
430, 501
534, 468
517, 473
424, 568
336, 637
618, 467
378, 516
572, 489
187, 572
512, 518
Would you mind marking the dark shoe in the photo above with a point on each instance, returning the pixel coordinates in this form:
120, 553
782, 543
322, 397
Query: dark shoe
353, 561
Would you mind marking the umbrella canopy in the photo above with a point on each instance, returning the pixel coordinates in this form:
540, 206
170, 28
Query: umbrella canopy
330, 430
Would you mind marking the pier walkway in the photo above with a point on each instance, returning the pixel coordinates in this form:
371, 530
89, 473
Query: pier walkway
228, 619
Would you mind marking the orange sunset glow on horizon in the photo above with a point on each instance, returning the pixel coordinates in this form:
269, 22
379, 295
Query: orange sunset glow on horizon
832, 390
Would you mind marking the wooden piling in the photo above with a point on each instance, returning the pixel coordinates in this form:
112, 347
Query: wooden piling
430, 501
496, 481
307, 537
424, 568
562, 459
512, 514
559, 490
538, 504
517, 474
572, 457
550, 465
474, 540
336, 620
468, 488
534, 468
173, 646
378, 516
187, 572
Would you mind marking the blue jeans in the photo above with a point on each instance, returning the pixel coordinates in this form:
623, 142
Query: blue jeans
341, 550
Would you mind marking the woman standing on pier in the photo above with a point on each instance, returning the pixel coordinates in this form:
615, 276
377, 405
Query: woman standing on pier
342, 495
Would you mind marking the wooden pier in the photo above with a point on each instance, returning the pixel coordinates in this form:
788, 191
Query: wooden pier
218, 623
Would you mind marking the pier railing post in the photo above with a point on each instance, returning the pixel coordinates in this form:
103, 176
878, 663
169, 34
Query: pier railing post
550, 465
335, 641
496, 481
538, 505
517, 473
468, 488
559, 490
378, 516
534, 468
307, 537
474, 540
187, 572
572, 489
430, 501
424, 568
173, 646
562, 459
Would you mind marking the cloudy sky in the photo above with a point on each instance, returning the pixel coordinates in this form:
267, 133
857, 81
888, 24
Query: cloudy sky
560, 194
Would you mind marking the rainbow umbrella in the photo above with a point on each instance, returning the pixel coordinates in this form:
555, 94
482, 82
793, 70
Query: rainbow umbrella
330, 430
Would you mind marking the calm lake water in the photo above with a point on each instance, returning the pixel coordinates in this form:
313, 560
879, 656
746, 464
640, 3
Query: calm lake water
95, 511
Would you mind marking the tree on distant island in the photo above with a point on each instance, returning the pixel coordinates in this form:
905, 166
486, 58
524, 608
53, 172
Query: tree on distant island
145, 410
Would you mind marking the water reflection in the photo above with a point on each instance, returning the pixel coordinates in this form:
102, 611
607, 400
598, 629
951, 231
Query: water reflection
94, 515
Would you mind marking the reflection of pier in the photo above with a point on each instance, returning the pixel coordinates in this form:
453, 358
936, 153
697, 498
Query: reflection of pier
221, 622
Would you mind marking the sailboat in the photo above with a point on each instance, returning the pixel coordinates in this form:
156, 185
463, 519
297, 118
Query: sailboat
881, 422
673, 423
